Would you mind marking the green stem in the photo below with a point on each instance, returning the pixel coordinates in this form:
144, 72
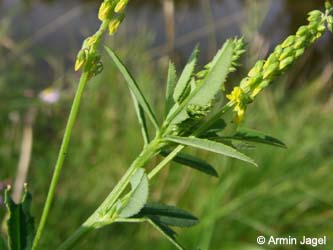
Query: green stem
79, 234
165, 161
214, 118
95, 220
61, 157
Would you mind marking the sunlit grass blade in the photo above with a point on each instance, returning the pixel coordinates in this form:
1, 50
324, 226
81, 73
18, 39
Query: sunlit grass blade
192, 162
170, 86
183, 85
133, 87
211, 146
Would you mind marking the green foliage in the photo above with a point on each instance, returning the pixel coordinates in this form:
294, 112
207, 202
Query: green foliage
195, 118
211, 146
167, 232
168, 215
138, 195
196, 121
251, 135
183, 87
192, 162
20, 223
170, 86
133, 86
206, 91
163, 216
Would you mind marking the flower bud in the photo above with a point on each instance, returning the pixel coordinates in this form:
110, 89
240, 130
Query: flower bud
302, 31
286, 53
121, 5
256, 69
300, 42
330, 23
299, 52
91, 41
286, 62
104, 10
288, 42
114, 24
270, 70
80, 60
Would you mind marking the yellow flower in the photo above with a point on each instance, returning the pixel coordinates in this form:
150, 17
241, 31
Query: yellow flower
237, 97
240, 113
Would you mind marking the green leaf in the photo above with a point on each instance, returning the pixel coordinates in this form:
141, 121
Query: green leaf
205, 93
182, 87
133, 86
168, 215
20, 223
141, 118
218, 126
171, 82
211, 146
192, 162
243, 134
139, 194
166, 232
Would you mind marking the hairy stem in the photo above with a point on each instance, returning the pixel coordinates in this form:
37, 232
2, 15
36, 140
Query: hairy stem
61, 157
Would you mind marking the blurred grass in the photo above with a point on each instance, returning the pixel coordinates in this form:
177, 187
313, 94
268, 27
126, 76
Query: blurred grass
290, 194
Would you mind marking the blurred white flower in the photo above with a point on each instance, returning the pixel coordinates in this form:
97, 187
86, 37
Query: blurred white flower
50, 95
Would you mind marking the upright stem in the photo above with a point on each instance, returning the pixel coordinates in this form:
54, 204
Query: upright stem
61, 157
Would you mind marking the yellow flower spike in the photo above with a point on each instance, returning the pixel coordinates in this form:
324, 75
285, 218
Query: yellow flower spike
121, 5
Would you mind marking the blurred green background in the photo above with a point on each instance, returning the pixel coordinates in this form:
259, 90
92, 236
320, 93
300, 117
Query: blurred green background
290, 194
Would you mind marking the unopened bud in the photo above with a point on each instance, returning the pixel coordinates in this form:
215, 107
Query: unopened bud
113, 26
104, 10
286, 62
80, 60
121, 5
